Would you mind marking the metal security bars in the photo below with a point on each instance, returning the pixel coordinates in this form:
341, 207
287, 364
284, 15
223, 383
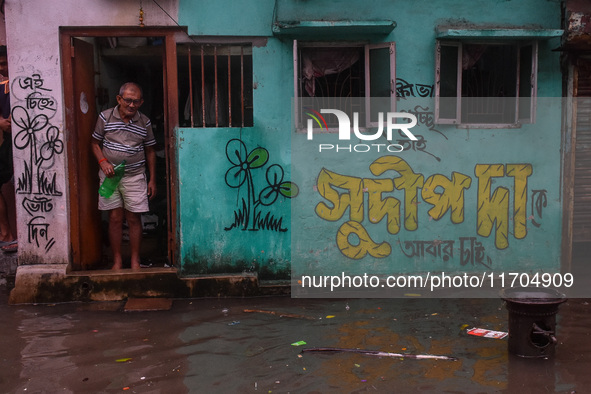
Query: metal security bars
215, 85
490, 85
354, 77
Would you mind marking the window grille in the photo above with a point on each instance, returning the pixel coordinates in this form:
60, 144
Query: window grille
485, 84
356, 78
215, 84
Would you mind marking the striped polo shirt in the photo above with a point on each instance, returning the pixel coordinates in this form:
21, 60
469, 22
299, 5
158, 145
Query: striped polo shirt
124, 141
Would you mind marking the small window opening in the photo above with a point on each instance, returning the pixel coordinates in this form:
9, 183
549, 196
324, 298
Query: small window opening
486, 83
215, 85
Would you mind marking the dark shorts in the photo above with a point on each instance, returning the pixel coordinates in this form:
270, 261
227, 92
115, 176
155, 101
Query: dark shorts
6, 166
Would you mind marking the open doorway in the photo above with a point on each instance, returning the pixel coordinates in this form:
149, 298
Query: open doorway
97, 61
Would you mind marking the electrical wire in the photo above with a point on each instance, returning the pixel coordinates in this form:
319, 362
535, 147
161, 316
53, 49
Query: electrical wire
163, 10
175, 21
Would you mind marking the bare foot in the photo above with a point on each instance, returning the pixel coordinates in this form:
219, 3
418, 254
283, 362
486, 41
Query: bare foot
135, 265
117, 264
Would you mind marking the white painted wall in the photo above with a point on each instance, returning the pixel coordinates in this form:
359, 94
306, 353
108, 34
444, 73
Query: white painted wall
32, 38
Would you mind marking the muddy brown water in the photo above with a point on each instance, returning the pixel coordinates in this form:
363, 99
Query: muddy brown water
214, 346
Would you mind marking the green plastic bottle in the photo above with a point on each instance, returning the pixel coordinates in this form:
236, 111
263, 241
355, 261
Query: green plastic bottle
110, 184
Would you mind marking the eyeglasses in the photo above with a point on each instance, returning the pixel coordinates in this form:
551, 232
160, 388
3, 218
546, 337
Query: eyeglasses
128, 101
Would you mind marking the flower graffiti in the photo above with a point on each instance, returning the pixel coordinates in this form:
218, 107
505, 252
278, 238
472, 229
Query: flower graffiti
52, 146
40, 145
27, 128
248, 216
26, 137
276, 186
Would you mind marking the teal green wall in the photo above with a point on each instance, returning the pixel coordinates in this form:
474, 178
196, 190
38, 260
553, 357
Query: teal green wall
207, 205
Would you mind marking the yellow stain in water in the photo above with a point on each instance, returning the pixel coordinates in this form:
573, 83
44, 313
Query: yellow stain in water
439, 370
349, 369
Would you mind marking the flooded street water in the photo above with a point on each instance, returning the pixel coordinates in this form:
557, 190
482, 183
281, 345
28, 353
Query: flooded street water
214, 346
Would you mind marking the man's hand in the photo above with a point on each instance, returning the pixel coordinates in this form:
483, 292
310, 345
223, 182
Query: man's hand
151, 189
151, 160
5, 124
107, 168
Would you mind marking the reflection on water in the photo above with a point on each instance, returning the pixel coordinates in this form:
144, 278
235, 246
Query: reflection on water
215, 346
45, 352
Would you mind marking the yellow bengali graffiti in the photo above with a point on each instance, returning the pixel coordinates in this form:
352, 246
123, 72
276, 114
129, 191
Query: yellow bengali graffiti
408, 181
492, 208
520, 172
452, 196
365, 245
445, 194
340, 201
382, 207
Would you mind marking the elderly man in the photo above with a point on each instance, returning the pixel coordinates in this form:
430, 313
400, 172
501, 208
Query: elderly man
123, 133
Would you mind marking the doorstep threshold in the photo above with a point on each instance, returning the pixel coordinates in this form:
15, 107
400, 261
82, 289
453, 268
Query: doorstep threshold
125, 272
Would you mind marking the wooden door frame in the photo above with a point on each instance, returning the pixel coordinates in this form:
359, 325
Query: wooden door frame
171, 116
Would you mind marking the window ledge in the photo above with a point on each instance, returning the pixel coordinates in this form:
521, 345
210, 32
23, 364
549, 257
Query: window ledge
489, 126
322, 28
516, 34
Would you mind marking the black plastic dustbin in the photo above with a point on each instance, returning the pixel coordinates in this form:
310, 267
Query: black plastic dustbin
532, 320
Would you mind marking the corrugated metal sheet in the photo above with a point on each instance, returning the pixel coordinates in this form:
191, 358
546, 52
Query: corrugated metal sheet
582, 186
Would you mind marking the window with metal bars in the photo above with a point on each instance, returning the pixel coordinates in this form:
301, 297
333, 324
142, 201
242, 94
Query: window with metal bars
215, 85
353, 77
485, 84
